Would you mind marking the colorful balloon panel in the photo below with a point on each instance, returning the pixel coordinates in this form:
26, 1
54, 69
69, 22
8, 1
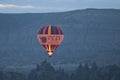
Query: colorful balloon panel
50, 37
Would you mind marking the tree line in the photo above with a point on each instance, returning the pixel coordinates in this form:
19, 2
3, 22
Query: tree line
46, 71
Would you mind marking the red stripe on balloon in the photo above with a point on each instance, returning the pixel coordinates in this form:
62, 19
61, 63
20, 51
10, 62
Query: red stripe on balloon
59, 32
55, 47
46, 47
44, 30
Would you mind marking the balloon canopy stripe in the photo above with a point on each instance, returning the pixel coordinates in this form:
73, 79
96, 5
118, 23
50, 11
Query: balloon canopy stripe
44, 30
50, 30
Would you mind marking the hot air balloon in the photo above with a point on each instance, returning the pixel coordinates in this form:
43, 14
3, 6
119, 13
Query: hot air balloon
50, 37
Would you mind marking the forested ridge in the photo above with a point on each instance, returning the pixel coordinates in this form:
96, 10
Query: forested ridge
45, 71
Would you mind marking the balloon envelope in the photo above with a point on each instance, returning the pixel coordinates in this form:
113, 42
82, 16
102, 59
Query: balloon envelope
50, 37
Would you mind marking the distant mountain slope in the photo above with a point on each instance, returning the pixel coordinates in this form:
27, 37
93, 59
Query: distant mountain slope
90, 35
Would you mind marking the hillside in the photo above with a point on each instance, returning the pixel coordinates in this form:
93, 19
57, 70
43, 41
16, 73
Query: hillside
90, 35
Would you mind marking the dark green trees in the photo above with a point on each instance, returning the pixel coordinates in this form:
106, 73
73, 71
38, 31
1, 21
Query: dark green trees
93, 72
45, 71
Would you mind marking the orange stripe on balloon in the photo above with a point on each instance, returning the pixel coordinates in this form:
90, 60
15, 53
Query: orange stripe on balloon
49, 29
49, 49
49, 32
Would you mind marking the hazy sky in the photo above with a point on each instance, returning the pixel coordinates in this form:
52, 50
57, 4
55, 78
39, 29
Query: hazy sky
32, 6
